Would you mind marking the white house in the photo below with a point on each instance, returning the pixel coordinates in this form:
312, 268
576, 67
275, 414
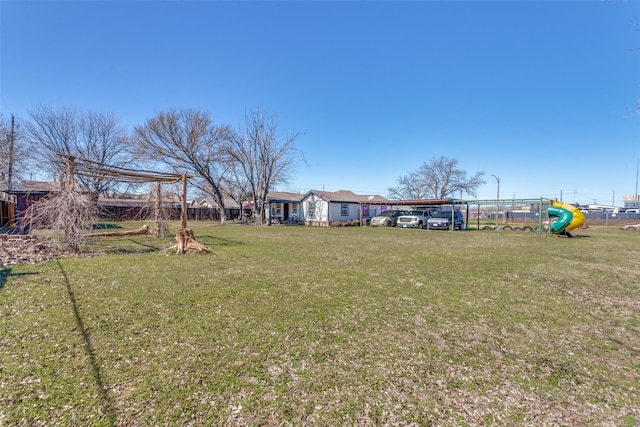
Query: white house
323, 207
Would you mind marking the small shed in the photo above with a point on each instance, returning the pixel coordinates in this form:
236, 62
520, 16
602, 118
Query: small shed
28, 194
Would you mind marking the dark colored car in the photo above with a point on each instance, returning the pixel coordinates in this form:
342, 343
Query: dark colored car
441, 220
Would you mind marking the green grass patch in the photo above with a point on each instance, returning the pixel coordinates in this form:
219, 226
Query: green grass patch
289, 325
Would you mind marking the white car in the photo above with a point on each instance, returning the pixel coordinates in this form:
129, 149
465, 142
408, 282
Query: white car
414, 219
386, 219
632, 227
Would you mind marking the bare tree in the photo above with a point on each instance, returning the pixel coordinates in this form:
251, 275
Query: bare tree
187, 141
264, 158
94, 136
236, 185
438, 179
67, 210
409, 188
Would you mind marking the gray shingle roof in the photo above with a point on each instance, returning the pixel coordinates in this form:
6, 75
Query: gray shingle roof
346, 196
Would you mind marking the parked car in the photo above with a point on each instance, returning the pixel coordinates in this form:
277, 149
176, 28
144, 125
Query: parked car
414, 219
386, 218
630, 227
441, 220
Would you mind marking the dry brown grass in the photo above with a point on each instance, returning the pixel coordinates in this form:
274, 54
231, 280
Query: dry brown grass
329, 326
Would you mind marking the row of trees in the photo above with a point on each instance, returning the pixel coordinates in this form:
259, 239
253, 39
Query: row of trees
242, 163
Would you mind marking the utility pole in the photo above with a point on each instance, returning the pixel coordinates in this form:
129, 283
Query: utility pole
637, 201
183, 216
497, 202
11, 154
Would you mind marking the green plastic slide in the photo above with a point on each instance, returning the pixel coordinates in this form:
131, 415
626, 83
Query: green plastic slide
564, 218
568, 216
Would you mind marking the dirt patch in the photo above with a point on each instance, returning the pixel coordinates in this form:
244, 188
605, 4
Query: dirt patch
16, 250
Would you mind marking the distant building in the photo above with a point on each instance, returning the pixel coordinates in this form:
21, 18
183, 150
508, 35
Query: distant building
631, 201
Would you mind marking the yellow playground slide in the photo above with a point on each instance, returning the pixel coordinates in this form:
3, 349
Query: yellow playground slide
568, 216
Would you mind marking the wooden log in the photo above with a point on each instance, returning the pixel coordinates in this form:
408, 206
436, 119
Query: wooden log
139, 232
157, 209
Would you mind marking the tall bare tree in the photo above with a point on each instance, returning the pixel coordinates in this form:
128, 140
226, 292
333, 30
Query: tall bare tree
95, 136
187, 141
439, 179
236, 185
264, 157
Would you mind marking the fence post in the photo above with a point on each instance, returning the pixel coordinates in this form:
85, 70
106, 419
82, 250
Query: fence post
184, 201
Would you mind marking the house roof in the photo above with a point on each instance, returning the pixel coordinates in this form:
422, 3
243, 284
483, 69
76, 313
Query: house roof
134, 200
39, 186
199, 202
283, 196
36, 187
124, 203
417, 202
346, 196
208, 202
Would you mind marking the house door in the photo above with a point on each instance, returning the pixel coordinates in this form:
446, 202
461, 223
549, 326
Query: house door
285, 211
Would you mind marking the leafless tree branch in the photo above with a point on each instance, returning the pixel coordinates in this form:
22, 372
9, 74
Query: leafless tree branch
439, 178
91, 135
187, 140
264, 157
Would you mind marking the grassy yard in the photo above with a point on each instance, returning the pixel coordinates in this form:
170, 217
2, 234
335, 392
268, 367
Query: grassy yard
357, 326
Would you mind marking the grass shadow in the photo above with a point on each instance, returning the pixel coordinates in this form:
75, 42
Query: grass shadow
103, 226
224, 242
108, 405
125, 246
634, 351
6, 272
153, 248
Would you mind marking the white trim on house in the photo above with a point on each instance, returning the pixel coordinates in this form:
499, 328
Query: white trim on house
320, 208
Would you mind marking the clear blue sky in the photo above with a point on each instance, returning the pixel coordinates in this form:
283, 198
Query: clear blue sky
541, 94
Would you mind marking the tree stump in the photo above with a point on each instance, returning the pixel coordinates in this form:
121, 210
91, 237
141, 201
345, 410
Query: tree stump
186, 243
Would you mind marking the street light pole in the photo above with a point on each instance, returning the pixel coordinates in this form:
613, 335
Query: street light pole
497, 202
637, 205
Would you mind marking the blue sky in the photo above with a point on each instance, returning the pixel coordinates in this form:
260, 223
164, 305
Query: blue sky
541, 94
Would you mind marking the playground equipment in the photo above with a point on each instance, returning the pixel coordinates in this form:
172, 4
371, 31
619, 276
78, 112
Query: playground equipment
568, 217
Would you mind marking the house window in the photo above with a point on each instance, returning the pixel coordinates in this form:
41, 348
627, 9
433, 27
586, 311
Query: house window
344, 209
311, 210
278, 209
294, 208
